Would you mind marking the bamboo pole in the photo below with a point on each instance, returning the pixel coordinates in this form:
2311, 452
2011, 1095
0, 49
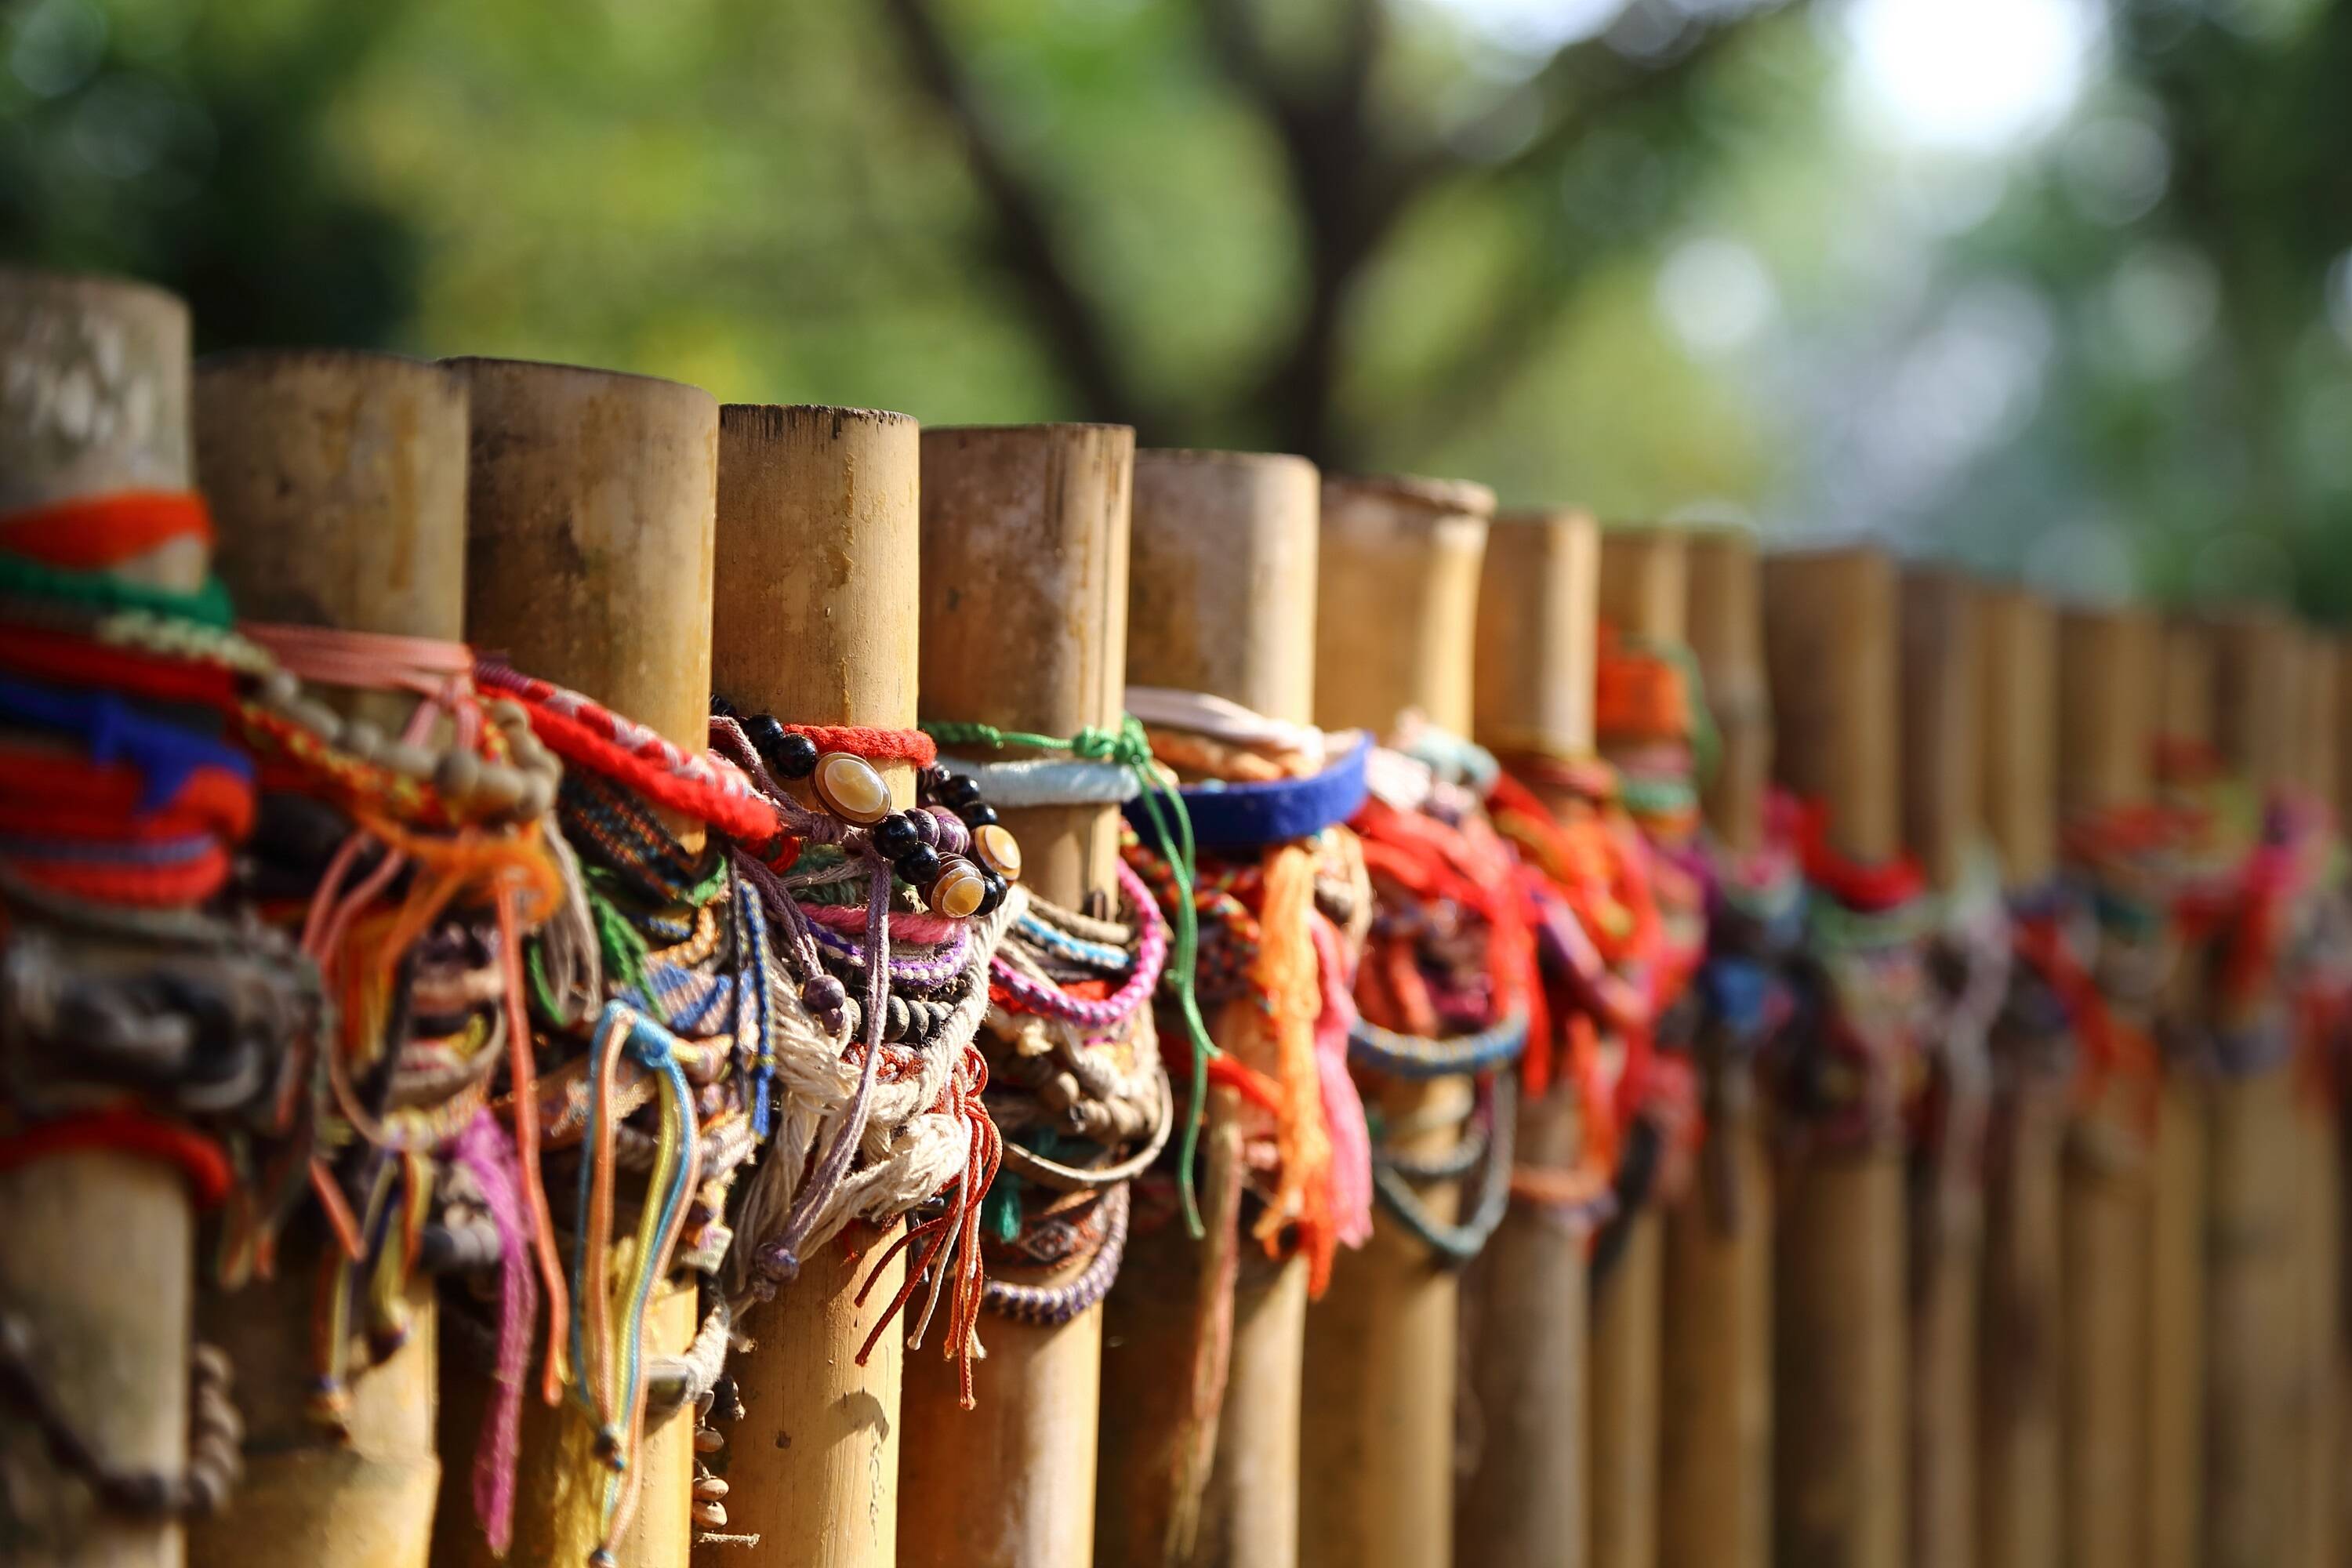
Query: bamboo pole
2320, 1149
1715, 1480
2108, 665
2258, 1404
1396, 603
2176, 1479
338, 487
99, 1245
2021, 1322
1643, 590
1221, 600
590, 498
1522, 1418
811, 1469
1839, 1498
1025, 569
1943, 823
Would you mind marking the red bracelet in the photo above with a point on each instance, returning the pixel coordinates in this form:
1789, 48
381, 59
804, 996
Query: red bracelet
873, 743
80, 661
94, 534
1871, 889
127, 1131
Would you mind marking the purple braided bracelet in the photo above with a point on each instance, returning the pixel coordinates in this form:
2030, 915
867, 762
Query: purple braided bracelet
942, 964
1049, 1305
1031, 995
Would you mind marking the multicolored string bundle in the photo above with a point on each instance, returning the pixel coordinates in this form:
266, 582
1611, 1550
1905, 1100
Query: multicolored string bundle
137, 1021
1278, 893
409, 868
1083, 1098
1846, 1064
1756, 925
1968, 959
2105, 943
1119, 763
1275, 890
1447, 984
1652, 722
883, 938
2318, 962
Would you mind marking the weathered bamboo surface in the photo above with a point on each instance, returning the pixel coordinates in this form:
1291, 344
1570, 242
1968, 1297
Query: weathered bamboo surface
1522, 1416
1395, 606
1714, 1477
1841, 1497
813, 1467
1221, 600
2019, 1401
1025, 569
2108, 665
96, 400
338, 487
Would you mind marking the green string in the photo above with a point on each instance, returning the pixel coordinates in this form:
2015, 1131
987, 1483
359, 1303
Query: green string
209, 605
1164, 807
624, 947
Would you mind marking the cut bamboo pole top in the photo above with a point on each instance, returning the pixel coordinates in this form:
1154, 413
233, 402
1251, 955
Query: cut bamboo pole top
1943, 748
1536, 592
1025, 547
815, 607
1221, 600
1643, 583
2018, 634
2257, 692
2110, 694
1724, 618
344, 474
2318, 715
1220, 585
97, 395
2187, 689
592, 507
1024, 584
2340, 720
816, 599
1396, 598
96, 1245
1829, 631
338, 485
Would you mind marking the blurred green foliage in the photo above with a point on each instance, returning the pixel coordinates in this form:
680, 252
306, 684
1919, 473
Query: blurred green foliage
1654, 270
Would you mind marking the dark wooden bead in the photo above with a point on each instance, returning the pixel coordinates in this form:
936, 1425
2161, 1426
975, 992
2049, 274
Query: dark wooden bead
895, 835
794, 756
979, 814
919, 866
824, 994
960, 791
996, 887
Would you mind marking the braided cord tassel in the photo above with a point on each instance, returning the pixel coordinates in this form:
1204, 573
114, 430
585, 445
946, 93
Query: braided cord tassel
1129, 746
